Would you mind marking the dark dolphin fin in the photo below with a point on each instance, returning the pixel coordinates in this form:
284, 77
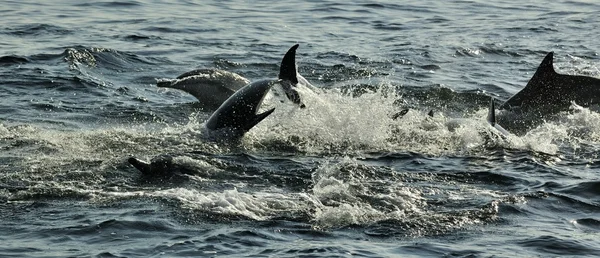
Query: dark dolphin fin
288, 74
491, 118
542, 78
430, 114
547, 65
288, 70
257, 119
142, 166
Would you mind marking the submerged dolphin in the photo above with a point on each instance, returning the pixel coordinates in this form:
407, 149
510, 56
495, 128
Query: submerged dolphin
238, 114
210, 86
160, 167
549, 91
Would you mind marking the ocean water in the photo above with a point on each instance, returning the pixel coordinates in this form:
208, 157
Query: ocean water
339, 178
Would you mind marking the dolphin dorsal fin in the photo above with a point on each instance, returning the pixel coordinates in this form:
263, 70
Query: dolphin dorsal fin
544, 74
288, 66
491, 117
258, 118
547, 65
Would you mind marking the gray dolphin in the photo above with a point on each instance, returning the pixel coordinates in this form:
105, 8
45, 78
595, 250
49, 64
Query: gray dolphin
238, 114
549, 91
210, 86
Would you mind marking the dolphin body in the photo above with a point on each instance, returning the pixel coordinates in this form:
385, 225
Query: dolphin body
550, 92
210, 86
546, 95
238, 114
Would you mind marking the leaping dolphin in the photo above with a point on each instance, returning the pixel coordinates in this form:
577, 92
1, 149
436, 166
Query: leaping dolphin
210, 86
550, 91
238, 114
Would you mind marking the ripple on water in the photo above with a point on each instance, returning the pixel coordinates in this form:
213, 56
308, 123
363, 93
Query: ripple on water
559, 245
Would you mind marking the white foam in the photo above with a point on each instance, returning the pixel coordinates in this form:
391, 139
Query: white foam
339, 189
256, 205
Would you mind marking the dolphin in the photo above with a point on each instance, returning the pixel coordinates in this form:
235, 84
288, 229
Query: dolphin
171, 167
210, 86
550, 92
160, 167
238, 114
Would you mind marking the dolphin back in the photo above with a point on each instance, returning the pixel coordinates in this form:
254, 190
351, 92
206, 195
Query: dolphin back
549, 92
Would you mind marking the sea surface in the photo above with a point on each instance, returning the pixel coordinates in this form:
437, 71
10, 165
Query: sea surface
340, 178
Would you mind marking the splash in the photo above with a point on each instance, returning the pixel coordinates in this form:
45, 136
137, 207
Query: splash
347, 193
228, 203
331, 121
334, 122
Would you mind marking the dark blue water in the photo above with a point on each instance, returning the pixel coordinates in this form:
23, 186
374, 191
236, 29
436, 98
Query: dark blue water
337, 179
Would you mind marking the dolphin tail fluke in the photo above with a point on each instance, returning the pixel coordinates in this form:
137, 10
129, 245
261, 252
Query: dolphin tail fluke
491, 118
258, 118
288, 74
141, 165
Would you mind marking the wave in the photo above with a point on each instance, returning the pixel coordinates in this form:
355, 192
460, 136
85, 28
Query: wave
13, 59
558, 245
38, 29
